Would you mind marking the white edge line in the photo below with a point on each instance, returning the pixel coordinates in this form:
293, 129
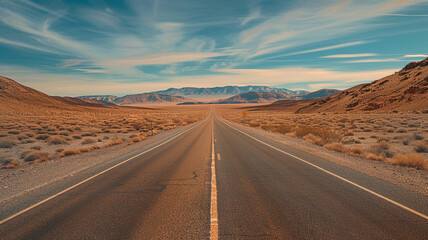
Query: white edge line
96, 175
335, 175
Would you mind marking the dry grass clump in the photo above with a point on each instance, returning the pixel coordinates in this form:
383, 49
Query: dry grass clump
381, 149
14, 132
411, 160
421, 147
327, 135
42, 136
37, 147
56, 140
114, 142
336, 146
36, 156
373, 156
69, 152
313, 139
8, 142
88, 141
7, 161
137, 138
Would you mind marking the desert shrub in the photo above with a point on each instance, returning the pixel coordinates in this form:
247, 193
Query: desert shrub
25, 152
336, 146
87, 149
401, 130
6, 161
8, 142
313, 139
37, 147
254, 124
56, 140
137, 126
348, 140
421, 147
28, 140
76, 136
326, 134
136, 139
418, 136
355, 151
381, 149
36, 156
133, 135
373, 157
283, 129
106, 137
21, 136
114, 142
411, 160
88, 141
349, 133
14, 132
42, 136
63, 133
58, 150
69, 152
405, 141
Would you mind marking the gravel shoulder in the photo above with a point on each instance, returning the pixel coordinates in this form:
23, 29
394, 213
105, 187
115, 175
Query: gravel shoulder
16, 184
406, 177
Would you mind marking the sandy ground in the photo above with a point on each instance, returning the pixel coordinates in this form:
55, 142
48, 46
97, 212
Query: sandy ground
406, 177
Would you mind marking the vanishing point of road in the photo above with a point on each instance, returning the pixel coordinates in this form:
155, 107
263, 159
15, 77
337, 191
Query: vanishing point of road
217, 181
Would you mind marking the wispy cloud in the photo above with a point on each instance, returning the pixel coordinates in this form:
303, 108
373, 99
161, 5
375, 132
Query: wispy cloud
253, 15
302, 26
342, 45
356, 55
404, 15
91, 70
374, 60
416, 56
161, 58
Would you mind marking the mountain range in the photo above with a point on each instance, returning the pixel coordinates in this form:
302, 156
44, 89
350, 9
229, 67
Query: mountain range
264, 97
227, 94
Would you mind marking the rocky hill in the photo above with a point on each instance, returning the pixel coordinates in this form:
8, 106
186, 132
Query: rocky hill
406, 90
18, 98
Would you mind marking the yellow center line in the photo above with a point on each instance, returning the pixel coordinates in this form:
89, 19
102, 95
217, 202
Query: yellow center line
214, 213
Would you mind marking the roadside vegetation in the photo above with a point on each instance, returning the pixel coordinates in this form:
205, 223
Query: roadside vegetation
396, 138
43, 134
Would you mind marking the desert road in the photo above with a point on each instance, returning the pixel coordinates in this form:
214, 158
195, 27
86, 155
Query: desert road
216, 181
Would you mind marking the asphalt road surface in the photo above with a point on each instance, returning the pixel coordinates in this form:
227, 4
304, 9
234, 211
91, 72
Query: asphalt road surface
217, 181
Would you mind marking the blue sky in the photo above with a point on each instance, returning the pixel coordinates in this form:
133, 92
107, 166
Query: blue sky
122, 47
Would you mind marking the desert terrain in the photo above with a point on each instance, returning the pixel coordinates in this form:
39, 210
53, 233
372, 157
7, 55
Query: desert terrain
36, 127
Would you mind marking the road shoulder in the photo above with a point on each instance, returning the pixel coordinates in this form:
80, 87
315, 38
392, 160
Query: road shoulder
405, 177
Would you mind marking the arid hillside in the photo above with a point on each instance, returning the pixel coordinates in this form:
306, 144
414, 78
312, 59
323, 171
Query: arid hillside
406, 90
15, 97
